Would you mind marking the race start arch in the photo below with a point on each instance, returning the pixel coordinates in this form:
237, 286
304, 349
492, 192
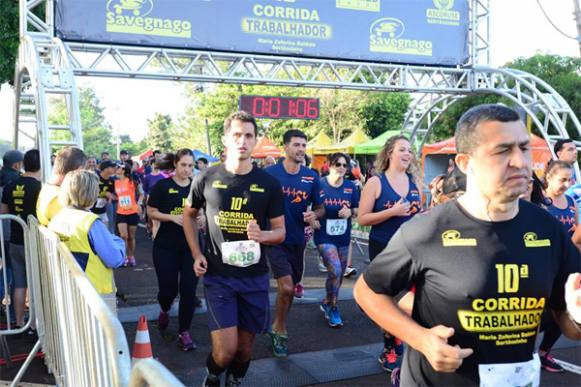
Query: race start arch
438, 49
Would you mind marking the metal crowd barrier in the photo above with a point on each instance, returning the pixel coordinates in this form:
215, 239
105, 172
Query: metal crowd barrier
83, 341
8, 328
149, 372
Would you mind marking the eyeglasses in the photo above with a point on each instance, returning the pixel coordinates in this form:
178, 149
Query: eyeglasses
340, 165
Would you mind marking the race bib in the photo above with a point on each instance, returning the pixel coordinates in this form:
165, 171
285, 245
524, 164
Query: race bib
336, 226
241, 253
525, 374
101, 202
125, 201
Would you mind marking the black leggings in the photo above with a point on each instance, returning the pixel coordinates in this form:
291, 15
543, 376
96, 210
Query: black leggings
175, 271
551, 330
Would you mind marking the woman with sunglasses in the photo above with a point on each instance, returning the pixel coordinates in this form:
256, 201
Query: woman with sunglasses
388, 200
333, 232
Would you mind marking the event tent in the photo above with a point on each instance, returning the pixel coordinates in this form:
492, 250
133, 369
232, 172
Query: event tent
319, 141
435, 156
265, 148
372, 147
199, 153
346, 146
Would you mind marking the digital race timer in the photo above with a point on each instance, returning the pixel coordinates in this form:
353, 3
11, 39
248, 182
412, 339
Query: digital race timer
280, 107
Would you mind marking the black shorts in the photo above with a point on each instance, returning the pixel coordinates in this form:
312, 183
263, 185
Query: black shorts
286, 259
131, 220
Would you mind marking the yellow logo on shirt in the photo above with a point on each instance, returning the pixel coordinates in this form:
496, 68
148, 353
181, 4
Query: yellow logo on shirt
219, 184
173, 191
452, 238
256, 188
531, 240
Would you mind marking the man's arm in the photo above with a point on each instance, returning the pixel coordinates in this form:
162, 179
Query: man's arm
432, 343
569, 320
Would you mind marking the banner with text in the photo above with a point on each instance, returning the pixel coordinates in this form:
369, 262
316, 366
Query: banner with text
431, 32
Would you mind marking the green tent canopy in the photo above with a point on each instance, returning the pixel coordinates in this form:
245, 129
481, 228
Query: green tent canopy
372, 147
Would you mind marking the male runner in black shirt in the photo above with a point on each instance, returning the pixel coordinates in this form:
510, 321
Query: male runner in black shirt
484, 267
244, 210
19, 199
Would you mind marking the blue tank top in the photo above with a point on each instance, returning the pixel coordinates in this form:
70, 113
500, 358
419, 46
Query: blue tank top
382, 232
565, 216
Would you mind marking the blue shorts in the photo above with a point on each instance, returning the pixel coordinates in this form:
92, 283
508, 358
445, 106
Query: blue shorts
286, 260
237, 302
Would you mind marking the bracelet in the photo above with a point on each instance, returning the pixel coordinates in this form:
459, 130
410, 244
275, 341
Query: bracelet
575, 323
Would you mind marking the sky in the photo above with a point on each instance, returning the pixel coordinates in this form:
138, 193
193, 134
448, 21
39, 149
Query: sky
518, 29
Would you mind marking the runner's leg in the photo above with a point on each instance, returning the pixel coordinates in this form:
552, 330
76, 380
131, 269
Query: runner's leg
284, 300
188, 282
123, 233
131, 241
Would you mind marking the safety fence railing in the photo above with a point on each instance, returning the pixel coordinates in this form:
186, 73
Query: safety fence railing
8, 325
149, 372
84, 343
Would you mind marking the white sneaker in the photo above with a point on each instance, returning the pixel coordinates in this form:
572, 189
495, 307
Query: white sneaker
322, 267
349, 271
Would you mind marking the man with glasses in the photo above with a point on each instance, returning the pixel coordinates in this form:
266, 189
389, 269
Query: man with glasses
301, 188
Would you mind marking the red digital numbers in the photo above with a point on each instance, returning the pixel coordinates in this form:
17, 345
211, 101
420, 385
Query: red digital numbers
280, 107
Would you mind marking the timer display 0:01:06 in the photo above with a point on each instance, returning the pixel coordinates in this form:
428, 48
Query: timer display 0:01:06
280, 107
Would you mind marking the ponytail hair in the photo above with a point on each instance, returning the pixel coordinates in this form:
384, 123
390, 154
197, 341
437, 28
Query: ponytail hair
167, 161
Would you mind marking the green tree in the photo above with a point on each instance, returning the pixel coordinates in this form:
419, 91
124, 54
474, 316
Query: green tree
9, 36
134, 148
96, 131
381, 112
159, 132
8, 39
561, 73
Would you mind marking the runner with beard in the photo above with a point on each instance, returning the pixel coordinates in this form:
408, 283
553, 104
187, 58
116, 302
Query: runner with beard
485, 266
300, 187
244, 211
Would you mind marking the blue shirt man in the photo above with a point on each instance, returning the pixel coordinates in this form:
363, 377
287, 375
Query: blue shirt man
301, 188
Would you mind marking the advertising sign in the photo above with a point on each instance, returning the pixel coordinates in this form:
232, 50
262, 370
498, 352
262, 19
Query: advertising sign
402, 31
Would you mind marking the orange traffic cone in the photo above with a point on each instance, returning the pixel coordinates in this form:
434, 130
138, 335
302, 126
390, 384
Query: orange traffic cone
142, 346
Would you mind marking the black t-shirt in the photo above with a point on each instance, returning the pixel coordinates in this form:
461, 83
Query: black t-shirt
21, 195
105, 186
230, 201
169, 198
490, 281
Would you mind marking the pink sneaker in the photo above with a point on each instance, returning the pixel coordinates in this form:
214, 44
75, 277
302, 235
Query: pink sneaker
299, 290
131, 261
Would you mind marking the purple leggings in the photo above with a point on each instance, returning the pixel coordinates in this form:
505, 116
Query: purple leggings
335, 259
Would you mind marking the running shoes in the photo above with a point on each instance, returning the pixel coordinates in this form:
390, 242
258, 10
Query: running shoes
389, 360
299, 290
349, 271
211, 380
231, 381
322, 267
549, 364
185, 341
131, 262
279, 344
335, 320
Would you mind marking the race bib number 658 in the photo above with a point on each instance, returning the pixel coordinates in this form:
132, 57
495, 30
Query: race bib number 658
241, 253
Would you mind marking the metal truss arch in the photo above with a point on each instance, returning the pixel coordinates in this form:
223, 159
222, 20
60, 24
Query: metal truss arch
43, 79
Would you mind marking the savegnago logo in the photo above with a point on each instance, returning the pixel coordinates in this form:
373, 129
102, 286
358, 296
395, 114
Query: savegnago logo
137, 17
387, 35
